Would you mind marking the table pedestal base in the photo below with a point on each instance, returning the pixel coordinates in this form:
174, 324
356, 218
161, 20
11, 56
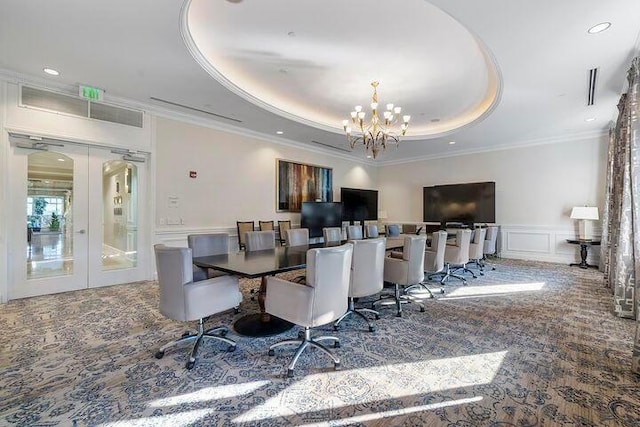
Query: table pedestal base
252, 325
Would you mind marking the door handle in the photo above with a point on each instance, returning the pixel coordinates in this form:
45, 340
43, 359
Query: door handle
81, 231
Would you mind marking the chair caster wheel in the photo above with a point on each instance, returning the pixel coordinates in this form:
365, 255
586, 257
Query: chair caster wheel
372, 329
231, 348
442, 290
336, 344
377, 317
335, 327
289, 373
236, 310
336, 366
482, 274
421, 309
159, 354
271, 352
186, 334
190, 364
398, 314
223, 333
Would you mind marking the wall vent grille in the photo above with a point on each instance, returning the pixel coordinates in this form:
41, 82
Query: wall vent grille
591, 86
75, 106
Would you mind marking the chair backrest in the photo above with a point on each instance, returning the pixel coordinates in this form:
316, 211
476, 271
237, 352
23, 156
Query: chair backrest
260, 240
393, 230
265, 225
174, 271
477, 246
409, 228
283, 226
208, 244
328, 272
490, 240
459, 253
354, 232
371, 231
243, 227
297, 236
332, 234
367, 267
434, 255
413, 253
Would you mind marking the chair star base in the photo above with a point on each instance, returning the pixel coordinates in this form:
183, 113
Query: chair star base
398, 299
360, 312
217, 333
305, 341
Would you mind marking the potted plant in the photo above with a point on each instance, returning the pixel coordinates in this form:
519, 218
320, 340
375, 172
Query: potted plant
35, 220
55, 222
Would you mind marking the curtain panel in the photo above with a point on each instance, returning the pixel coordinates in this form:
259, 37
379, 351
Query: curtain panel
621, 212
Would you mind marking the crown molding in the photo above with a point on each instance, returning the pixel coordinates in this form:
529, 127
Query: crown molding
578, 136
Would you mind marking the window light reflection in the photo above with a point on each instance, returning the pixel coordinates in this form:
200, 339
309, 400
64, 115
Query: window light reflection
397, 381
208, 393
493, 290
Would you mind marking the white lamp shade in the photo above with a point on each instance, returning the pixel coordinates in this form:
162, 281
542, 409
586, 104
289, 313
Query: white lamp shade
585, 212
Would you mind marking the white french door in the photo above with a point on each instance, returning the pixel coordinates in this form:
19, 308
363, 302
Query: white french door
74, 214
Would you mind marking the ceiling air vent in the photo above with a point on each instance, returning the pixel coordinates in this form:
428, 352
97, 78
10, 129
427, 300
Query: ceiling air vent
591, 86
67, 104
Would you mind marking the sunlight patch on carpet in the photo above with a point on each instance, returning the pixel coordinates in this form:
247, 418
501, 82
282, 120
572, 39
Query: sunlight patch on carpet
395, 413
181, 419
209, 393
336, 389
489, 290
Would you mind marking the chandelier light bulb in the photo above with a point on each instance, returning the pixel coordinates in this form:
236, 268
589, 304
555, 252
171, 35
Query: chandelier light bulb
361, 115
397, 110
358, 108
374, 105
406, 119
389, 107
353, 114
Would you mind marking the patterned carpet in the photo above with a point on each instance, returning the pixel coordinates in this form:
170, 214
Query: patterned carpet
529, 344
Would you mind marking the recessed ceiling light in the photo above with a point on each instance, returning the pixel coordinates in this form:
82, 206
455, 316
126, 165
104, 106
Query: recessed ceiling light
279, 132
598, 28
51, 71
451, 142
369, 156
589, 119
61, 160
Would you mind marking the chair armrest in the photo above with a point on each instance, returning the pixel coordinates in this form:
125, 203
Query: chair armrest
395, 270
396, 254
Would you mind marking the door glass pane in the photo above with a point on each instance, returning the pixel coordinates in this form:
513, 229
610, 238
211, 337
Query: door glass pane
49, 215
119, 218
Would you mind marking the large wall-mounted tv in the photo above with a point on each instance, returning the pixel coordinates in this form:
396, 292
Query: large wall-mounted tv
317, 215
465, 203
359, 205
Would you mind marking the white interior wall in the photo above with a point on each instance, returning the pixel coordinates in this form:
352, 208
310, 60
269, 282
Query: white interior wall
536, 187
4, 167
236, 179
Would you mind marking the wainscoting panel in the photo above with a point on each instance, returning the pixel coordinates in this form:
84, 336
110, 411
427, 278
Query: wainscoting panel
543, 243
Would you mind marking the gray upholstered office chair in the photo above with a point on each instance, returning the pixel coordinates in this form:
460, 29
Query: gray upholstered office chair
243, 228
297, 237
433, 261
405, 271
393, 230
490, 241
206, 245
260, 240
283, 226
456, 256
367, 268
321, 300
476, 248
184, 300
332, 234
371, 231
354, 232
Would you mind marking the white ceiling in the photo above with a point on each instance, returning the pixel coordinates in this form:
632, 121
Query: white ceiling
488, 74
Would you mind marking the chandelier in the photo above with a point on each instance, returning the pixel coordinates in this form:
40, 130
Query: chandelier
376, 133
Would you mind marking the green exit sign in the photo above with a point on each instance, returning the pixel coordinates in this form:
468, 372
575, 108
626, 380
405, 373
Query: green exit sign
91, 93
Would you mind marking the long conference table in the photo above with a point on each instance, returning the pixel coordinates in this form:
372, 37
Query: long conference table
260, 264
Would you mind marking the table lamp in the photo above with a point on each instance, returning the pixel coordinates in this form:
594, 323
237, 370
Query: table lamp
584, 215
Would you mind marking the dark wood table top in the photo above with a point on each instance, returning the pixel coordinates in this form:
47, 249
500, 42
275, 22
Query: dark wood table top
271, 261
583, 242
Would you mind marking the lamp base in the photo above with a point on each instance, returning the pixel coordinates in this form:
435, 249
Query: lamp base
585, 229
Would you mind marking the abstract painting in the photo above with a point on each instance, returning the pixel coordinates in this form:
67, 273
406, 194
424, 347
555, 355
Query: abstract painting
297, 183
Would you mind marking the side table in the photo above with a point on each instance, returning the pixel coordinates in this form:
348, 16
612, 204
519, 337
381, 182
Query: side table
584, 247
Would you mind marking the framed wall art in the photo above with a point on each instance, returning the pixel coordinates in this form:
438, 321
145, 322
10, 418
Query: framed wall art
298, 182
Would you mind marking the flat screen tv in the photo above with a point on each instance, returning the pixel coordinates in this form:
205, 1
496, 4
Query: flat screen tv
359, 205
317, 215
466, 203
